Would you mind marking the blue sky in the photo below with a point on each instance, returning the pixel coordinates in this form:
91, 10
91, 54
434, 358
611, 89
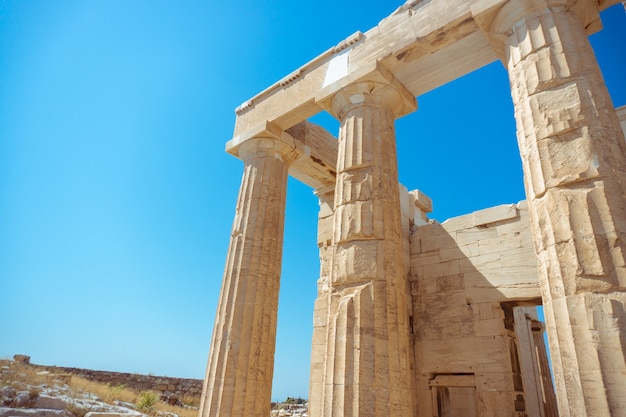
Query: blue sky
116, 195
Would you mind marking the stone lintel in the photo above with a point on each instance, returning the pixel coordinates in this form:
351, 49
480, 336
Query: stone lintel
408, 43
316, 167
424, 46
314, 150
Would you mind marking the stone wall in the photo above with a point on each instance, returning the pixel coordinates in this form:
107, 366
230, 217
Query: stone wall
162, 384
467, 277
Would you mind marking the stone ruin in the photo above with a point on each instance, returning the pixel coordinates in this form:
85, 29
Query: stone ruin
416, 318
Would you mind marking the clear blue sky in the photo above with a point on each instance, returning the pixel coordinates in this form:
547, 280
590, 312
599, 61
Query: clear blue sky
116, 196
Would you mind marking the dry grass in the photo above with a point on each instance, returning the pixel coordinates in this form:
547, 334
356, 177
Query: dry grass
191, 400
22, 376
105, 392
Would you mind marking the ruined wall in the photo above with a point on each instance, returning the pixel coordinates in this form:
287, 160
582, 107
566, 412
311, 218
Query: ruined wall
466, 347
162, 384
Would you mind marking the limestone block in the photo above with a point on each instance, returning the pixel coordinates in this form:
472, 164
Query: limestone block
489, 327
524, 257
33, 412
356, 220
460, 252
458, 223
45, 401
439, 242
21, 358
487, 381
494, 214
445, 356
441, 269
488, 262
501, 286
446, 306
325, 231
326, 253
407, 203
424, 259
422, 201
466, 236
450, 283
428, 230
499, 244
489, 310
357, 262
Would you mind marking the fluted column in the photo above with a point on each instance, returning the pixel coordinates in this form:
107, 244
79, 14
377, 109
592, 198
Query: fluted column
574, 160
239, 373
368, 341
320, 311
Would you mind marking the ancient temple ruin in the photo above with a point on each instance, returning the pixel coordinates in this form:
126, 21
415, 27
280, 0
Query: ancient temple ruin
417, 318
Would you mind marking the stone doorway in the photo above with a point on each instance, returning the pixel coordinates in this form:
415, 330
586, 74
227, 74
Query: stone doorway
454, 395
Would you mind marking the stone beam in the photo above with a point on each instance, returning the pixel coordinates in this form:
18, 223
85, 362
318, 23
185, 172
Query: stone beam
316, 167
424, 44
314, 148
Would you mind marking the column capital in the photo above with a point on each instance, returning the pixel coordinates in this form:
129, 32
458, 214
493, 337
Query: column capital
376, 88
498, 18
265, 138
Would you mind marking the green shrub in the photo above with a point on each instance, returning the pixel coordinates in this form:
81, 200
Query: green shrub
147, 400
116, 390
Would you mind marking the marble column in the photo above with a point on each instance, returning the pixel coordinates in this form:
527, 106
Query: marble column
326, 197
574, 161
368, 369
241, 363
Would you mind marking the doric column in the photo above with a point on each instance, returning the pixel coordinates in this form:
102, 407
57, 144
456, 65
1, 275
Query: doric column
241, 363
574, 160
367, 370
326, 197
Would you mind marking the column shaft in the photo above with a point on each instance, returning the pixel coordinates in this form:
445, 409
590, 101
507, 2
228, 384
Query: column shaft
574, 160
368, 357
241, 363
320, 311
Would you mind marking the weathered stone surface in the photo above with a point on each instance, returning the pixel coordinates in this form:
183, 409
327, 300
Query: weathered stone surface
574, 160
461, 272
239, 374
419, 318
366, 365
33, 412
7, 395
47, 402
21, 358
23, 399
